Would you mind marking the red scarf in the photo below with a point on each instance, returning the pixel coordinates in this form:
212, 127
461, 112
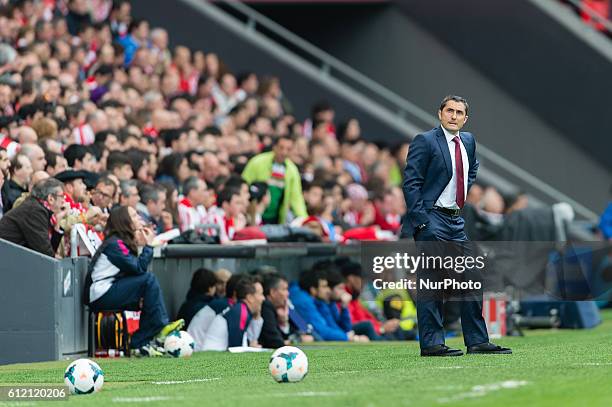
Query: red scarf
52, 219
186, 202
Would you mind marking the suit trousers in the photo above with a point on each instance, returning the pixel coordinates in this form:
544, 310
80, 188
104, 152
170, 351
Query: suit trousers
446, 228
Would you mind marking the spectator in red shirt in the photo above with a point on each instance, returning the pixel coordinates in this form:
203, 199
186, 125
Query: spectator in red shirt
388, 210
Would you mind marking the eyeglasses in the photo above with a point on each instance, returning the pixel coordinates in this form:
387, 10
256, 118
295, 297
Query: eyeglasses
103, 194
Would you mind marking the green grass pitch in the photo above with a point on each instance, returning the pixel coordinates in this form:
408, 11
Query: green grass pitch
548, 368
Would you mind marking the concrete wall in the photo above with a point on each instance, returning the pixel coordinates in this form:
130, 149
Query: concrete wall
41, 316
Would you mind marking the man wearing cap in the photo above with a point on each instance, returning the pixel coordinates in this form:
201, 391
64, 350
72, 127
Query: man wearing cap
440, 168
76, 197
74, 189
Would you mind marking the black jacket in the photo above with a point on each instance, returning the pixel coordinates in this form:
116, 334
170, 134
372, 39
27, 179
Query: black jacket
28, 225
10, 192
192, 305
271, 336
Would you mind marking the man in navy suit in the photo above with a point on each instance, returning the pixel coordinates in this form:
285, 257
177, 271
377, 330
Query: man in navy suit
440, 168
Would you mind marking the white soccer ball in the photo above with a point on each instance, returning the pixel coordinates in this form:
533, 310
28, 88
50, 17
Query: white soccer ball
83, 376
288, 364
179, 344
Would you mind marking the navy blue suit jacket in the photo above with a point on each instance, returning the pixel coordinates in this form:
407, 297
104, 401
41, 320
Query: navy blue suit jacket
428, 171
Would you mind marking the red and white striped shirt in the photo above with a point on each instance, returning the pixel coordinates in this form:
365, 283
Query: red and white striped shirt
190, 216
83, 135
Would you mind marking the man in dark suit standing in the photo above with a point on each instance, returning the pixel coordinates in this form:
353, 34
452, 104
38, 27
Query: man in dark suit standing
440, 168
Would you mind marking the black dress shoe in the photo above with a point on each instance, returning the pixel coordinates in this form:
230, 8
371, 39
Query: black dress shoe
488, 348
441, 350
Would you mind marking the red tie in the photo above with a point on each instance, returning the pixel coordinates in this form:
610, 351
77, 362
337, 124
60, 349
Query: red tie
459, 171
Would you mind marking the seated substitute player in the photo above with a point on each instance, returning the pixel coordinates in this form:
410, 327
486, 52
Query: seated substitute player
200, 322
312, 285
201, 293
229, 329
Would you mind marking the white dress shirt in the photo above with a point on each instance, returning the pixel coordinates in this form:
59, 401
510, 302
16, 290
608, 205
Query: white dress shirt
448, 198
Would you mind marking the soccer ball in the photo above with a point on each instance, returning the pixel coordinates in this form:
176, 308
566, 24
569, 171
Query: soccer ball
179, 344
83, 377
288, 364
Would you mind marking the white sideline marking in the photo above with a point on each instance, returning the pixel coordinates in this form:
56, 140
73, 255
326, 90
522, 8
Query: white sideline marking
303, 394
312, 394
143, 399
449, 367
595, 364
484, 389
188, 381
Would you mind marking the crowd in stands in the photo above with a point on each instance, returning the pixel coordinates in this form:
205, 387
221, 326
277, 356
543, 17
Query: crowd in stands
96, 99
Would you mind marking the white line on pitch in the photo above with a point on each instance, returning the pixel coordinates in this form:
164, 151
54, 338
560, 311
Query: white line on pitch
188, 381
594, 364
143, 399
484, 389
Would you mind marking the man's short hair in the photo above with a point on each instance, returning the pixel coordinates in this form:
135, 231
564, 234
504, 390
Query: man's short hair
235, 181
278, 139
190, 184
16, 163
321, 106
117, 159
202, 280
150, 192
75, 152
245, 286
272, 280
351, 268
126, 185
102, 135
334, 278
455, 98
310, 278
51, 158
226, 195
46, 187
107, 181
171, 135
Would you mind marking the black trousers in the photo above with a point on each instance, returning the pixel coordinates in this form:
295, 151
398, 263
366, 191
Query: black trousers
430, 305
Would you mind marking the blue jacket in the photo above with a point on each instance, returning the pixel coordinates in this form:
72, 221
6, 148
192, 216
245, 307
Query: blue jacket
605, 224
130, 46
428, 171
333, 316
305, 305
